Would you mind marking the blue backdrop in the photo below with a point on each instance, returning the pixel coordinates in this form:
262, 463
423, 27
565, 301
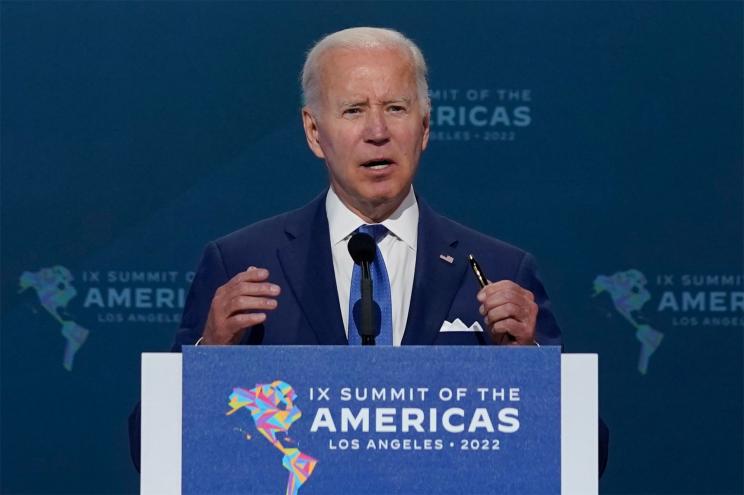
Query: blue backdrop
606, 138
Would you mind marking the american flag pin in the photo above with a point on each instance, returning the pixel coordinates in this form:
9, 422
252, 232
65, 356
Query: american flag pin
448, 259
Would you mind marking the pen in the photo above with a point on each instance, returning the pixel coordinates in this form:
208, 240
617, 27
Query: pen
482, 280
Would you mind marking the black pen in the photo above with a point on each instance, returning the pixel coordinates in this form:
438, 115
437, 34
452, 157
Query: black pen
482, 280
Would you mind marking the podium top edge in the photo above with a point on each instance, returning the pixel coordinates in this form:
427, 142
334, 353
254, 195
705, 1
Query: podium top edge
287, 347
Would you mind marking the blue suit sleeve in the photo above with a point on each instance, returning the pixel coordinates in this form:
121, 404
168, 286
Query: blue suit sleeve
547, 331
210, 275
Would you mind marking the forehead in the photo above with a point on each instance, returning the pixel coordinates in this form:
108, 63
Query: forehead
379, 70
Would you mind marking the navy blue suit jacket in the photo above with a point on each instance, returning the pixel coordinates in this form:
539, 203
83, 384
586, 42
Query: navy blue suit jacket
295, 248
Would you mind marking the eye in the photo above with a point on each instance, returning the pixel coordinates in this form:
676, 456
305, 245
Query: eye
396, 109
350, 112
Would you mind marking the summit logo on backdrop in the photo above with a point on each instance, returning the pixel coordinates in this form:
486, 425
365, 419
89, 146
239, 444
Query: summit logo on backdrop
478, 114
54, 290
672, 300
98, 298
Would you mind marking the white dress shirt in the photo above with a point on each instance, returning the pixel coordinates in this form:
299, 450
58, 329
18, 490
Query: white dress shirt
398, 249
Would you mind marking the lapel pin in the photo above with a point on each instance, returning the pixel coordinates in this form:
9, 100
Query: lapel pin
448, 259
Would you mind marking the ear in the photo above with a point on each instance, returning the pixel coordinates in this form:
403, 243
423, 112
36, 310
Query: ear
312, 133
425, 123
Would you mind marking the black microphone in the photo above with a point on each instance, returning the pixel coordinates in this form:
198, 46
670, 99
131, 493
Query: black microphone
362, 248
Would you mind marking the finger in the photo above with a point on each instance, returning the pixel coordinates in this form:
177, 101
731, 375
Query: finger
252, 274
507, 310
526, 313
522, 331
244, 320
508, 326
524, 334
254, 289
506, 296
508, 300
496, 331
497, 287
249, 303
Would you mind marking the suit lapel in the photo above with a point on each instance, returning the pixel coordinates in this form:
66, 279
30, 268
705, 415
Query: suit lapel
436, 281
308, 268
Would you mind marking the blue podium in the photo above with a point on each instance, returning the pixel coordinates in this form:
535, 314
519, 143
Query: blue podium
369, 420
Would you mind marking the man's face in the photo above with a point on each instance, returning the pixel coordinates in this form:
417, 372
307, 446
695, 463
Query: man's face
369, 127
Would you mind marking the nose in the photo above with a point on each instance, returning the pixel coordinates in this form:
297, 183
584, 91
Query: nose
376, 130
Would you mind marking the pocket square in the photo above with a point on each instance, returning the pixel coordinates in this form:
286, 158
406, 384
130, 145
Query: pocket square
459, 326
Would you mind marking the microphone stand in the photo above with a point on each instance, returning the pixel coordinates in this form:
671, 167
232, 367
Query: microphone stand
367, 328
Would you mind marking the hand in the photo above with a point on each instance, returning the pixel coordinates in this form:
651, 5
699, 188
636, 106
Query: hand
238, 305
508, 310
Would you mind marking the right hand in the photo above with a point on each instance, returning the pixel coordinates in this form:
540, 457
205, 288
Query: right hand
239, 304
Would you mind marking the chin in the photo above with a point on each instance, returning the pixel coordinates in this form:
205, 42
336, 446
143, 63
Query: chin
382, 197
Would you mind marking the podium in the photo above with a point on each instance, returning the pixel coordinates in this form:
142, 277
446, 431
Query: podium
328, 419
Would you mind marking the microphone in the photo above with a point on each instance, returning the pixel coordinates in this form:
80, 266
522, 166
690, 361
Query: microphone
362, 248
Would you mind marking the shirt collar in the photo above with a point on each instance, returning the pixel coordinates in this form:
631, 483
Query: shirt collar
403, 223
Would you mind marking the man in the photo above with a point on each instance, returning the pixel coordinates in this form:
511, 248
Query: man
288, 279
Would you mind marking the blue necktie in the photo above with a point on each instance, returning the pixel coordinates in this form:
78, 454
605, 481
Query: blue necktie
380, 292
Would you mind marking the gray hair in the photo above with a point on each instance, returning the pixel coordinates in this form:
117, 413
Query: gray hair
361, 38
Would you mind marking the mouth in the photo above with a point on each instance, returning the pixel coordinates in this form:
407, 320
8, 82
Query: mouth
378, 164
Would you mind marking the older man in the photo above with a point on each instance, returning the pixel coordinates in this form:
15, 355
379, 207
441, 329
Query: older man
288, 279
367, 117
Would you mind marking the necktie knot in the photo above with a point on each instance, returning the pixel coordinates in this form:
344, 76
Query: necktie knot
377, 231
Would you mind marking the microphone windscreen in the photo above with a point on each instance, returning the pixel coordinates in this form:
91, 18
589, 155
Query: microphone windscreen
362, 248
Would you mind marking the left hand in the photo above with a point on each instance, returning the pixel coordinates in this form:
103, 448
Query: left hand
508, 309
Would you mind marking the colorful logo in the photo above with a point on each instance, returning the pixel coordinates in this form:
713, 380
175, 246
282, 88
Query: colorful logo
53, 287
273, 411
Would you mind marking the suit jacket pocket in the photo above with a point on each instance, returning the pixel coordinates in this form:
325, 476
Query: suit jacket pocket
461, 338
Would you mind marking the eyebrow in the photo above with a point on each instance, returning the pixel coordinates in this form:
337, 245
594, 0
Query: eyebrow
402, 99
352, 103
356, 103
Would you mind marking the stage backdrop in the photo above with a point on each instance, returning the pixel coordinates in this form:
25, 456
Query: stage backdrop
605, 138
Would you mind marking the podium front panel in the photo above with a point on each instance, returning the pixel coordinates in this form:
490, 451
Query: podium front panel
162, 416
322, 420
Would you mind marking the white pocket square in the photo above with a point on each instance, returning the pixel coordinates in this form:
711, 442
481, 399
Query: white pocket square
459, 326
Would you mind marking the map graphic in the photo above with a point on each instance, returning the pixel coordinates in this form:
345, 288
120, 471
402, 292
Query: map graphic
53, 287
273, 411
628, 292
